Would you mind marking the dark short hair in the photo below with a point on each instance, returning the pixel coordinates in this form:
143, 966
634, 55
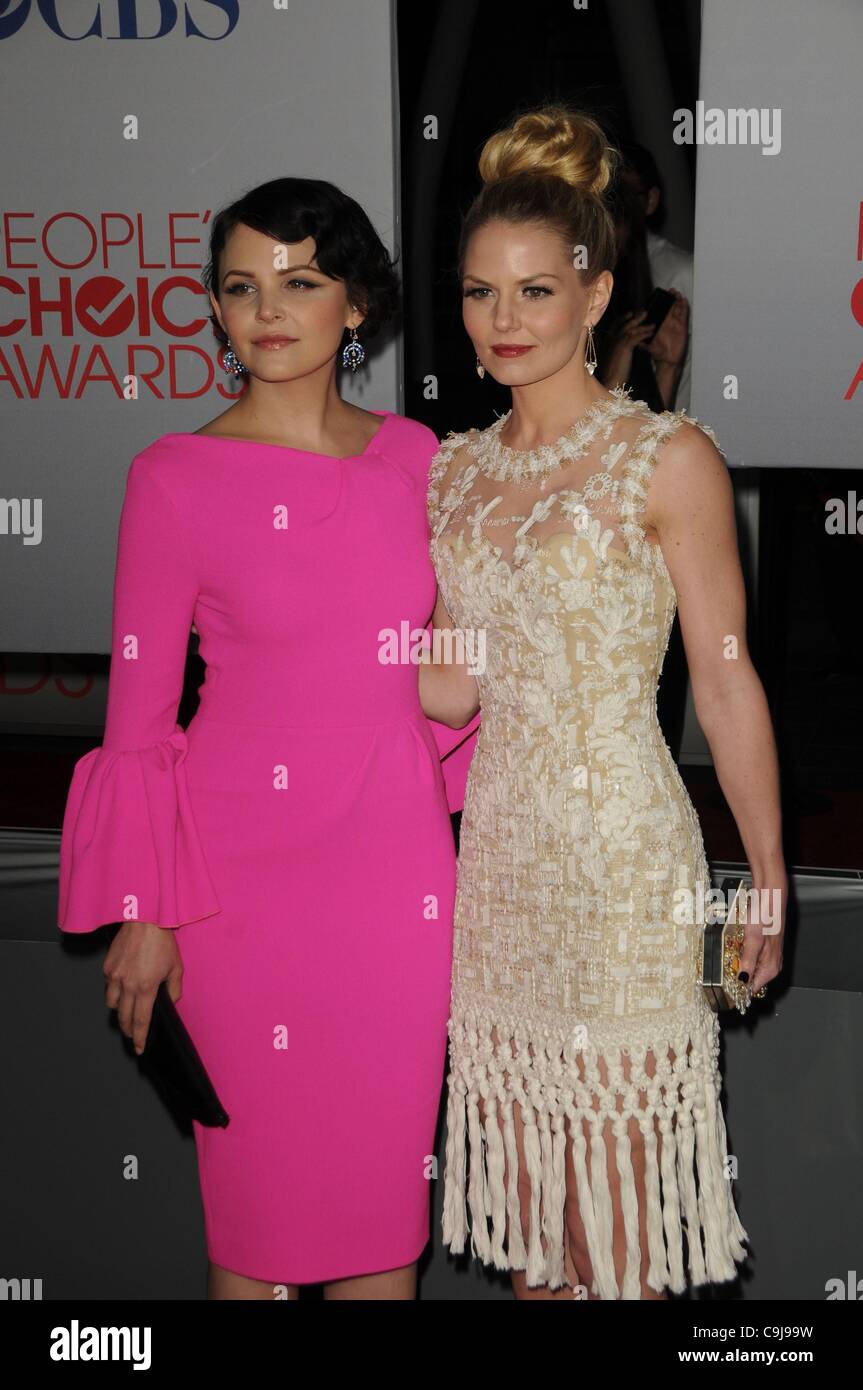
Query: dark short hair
347, 247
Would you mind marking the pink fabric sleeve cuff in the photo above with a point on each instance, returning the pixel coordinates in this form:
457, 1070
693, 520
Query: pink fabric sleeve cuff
130, 849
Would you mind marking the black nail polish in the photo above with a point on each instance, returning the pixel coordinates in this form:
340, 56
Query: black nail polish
743, 975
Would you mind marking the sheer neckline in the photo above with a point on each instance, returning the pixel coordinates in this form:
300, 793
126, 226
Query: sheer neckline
505, 464
616, 395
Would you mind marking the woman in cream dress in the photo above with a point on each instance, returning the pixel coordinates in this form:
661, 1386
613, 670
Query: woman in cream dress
586, 1146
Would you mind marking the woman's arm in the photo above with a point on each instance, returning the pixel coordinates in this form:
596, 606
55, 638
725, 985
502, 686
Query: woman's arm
448, 691
690, 508
668, 376
632, 332
667, 347
130, 850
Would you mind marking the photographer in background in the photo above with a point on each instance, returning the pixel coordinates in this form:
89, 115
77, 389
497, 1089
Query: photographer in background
643, 339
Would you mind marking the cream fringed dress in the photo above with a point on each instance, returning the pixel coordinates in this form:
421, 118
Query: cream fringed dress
575, 994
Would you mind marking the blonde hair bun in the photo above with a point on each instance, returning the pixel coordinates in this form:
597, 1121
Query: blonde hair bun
553, 140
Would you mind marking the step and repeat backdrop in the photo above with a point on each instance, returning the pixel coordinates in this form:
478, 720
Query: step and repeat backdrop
129, 123
777, 352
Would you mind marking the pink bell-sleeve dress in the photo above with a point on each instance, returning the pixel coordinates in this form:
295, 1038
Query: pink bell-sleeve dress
296, 835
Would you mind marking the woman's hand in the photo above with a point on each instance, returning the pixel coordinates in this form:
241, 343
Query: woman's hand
633, 331
764, 932
140, 957
667, 347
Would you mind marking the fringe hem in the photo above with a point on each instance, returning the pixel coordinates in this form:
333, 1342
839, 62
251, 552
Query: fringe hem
536, 1066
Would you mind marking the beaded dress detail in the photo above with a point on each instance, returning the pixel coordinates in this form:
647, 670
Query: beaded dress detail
574, 992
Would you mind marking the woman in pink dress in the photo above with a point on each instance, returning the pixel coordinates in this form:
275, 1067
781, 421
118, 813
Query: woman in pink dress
286, 863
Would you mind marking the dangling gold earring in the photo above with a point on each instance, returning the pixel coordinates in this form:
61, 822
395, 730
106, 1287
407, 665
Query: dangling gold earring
590, 351
480, 369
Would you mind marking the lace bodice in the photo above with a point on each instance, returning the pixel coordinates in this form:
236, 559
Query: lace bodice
546, 552
589, 487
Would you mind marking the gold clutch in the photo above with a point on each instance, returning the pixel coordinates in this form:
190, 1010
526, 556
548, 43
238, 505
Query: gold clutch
722, 950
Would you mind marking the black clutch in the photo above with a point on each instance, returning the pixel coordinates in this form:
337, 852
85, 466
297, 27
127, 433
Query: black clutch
172, 1056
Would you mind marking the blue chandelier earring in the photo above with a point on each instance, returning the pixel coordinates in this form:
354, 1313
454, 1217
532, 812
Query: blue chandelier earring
231, 362
353, 353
